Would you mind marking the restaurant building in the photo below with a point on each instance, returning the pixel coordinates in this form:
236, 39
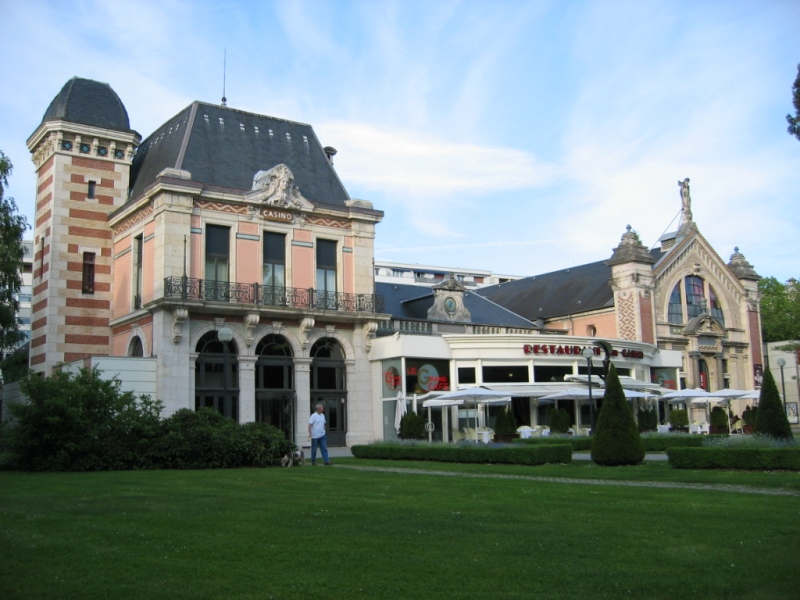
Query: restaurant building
221, 261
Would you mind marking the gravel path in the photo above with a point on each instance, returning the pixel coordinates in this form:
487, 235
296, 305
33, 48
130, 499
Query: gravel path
739, 489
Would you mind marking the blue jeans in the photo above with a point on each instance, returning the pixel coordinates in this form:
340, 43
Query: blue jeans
322, 444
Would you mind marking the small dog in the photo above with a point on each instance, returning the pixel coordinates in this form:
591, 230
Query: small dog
294, 458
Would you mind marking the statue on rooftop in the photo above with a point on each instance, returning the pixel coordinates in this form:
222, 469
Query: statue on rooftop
686, 202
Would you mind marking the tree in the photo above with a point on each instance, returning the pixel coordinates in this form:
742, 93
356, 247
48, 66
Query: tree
12, 228
771, 417
794, 121
616, 439
80, 423
780, 310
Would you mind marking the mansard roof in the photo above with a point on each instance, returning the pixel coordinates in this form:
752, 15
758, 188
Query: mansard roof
412, 302
225, 147
568, 291
88, 102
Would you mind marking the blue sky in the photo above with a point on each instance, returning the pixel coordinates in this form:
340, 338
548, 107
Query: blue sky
520, 137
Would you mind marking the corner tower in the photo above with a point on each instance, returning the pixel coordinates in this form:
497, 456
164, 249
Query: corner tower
82, 151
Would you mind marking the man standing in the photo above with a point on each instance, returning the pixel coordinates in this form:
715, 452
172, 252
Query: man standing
316, 430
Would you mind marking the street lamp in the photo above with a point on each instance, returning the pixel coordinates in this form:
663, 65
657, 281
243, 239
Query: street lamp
781, 364
225, 335
588, 353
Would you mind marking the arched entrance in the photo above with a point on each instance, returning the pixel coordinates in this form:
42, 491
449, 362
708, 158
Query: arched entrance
329, 387
275, 395
216, 378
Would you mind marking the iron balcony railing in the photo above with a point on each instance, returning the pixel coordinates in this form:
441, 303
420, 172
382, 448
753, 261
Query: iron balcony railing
187, 288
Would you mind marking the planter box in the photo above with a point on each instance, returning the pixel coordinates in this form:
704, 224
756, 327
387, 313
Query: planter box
717, 429
505, 438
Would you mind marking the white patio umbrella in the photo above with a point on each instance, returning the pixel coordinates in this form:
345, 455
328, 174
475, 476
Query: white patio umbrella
687, 394
473, 396
400, 410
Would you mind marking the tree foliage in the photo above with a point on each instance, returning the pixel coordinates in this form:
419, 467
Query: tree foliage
616, 439
780, 310
794, 121
12, 228
771, 417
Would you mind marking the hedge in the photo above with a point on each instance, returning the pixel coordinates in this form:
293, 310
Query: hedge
468, 453
757, 459
651, 442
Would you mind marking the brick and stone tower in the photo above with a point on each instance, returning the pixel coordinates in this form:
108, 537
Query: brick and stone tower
632, 284
82, 151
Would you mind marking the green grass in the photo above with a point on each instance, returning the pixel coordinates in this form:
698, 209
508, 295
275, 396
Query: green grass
342, 533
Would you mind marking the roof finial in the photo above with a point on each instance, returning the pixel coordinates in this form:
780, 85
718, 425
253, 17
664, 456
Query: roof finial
224, 67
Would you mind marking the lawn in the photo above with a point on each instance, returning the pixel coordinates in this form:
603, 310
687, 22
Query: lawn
344, 533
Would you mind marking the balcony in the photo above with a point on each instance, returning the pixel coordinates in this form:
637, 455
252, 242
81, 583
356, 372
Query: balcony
206, 290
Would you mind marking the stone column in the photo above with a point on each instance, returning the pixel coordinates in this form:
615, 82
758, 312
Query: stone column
302, 386
694, 357
247, 388
720, 370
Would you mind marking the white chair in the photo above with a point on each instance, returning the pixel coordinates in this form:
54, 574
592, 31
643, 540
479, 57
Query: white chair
545, 432
705, 428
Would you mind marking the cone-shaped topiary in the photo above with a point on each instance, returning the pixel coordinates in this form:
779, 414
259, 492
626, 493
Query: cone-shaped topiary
771, 417
616, 439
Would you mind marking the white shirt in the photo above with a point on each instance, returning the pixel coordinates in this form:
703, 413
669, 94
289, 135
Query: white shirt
317, 422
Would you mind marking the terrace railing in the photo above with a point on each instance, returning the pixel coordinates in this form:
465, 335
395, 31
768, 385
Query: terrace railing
187, 288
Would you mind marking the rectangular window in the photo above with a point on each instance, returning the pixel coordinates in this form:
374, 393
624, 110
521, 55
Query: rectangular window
326, 274
466, 375
509, 374
217, 262
87, 284
92, 188
138, 244
274, 269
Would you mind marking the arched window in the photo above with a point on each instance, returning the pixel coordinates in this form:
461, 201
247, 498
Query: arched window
682, 308
694, 297
216, 376
275, 397
591, 330
675, 310
136, 348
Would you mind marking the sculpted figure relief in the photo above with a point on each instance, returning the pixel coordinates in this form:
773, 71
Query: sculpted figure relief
278, 186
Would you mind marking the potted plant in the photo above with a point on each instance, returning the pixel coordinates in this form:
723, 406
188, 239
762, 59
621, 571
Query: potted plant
412, 426
749, 419
559, 421
505, 426
679, 420
719, 420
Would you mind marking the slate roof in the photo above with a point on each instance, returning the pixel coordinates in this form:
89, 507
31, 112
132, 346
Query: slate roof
225, 147
412, 302
89, 102
568, 291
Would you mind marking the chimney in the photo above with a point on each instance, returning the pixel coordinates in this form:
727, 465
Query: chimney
330, 152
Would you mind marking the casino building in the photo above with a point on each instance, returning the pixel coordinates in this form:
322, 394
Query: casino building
222, 262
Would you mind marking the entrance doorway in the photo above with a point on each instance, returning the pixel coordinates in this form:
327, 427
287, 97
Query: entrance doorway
329, 387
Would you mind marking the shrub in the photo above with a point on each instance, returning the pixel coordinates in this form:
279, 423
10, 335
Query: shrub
749, 416
648, 420
80, 423
678, 417
771, 416
559, 421
505, 423
719, 417
412, 426
616, 440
